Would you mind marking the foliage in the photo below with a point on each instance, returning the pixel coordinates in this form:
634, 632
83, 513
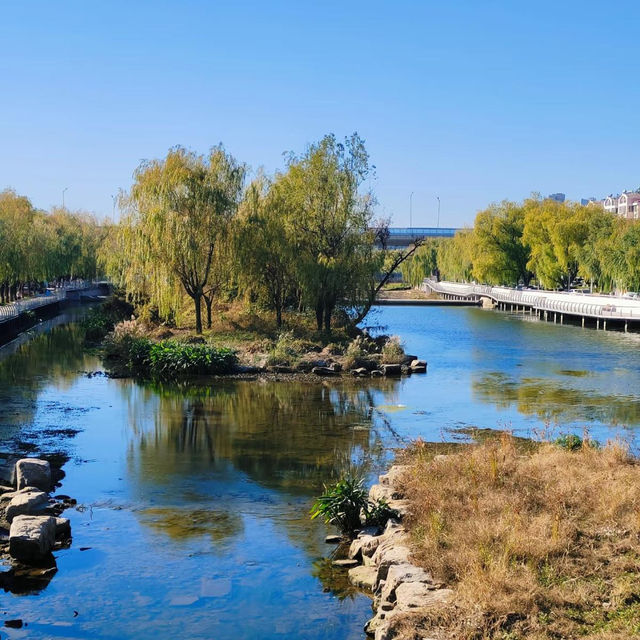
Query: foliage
38, 247
346, 506
179, 210
171, 360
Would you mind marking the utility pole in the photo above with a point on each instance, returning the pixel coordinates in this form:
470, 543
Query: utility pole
411, 210
63, 196
438, 197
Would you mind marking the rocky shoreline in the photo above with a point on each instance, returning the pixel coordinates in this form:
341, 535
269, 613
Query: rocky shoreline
31, 526
380, 564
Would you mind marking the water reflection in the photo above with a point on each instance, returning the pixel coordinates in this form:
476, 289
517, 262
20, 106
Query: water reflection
207, 456
550, 399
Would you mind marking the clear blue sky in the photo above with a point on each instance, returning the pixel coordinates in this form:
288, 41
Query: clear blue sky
474, 101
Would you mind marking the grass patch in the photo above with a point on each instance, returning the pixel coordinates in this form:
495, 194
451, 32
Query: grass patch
540, 543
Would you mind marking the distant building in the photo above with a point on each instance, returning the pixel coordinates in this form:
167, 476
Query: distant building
626, 205
558, 197
587, 201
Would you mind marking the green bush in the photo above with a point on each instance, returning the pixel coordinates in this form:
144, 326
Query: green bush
572, 442
170, 360
347, 507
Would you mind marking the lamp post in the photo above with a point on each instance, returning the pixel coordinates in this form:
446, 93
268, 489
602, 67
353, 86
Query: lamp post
411, 210
63, 196
438, 225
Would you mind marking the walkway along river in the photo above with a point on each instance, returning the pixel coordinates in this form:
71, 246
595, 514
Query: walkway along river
193, 502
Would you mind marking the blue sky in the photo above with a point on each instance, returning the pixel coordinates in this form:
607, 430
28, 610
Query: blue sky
472, 101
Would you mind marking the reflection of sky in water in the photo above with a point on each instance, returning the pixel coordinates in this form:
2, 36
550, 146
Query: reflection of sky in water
198, 500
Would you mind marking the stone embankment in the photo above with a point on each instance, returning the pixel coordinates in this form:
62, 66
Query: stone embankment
385, 569
30, 523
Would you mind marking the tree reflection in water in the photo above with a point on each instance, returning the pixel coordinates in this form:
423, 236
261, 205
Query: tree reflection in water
253, 447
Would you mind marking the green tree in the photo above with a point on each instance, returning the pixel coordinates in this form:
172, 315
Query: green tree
500, 255
180, 209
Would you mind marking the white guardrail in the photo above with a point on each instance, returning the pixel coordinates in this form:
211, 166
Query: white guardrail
14, 309
574, 303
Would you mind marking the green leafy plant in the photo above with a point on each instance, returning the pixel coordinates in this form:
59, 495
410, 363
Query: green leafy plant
347, 507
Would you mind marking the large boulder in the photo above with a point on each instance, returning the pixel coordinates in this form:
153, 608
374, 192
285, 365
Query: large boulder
31, 538
399, 574
419, 595
364, 547
324, 371
419, 366
31, 472
26, 503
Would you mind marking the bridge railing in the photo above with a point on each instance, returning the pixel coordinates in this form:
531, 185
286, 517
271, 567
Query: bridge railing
14, 309
555, 301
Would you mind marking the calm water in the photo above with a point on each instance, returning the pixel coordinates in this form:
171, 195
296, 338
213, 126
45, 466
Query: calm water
193, 503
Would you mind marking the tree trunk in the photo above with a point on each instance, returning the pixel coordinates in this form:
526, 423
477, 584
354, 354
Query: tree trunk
328, 311
197, 300
319, 312
278, 315
208, 301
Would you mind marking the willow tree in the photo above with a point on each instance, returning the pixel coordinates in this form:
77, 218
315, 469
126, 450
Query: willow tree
264, 254
328, 220
180, 209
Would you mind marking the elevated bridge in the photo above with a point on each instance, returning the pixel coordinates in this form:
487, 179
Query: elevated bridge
599, 311
402, 237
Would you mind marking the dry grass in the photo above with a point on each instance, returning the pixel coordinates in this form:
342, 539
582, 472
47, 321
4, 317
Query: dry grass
543, 544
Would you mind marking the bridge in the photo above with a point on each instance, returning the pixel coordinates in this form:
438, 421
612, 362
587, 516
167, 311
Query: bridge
402, 237
598, 311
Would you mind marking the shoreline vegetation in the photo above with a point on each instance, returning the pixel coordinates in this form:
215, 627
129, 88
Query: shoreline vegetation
507, 539
240, 344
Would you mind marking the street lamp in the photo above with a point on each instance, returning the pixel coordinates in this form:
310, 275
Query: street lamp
63, 196
438, 197
411, 210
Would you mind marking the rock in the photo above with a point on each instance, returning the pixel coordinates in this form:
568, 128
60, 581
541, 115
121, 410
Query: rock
13, 624
371, 530
31, 472
391, 369
360, 372
333, 539
380, 492
390, 553
364, 547
63, 528
280, 368
31, 538
335, 366
399, 574
324, 371
419, 366
377, 373
418, 595
408, 360
26, 503
345, 563
393, 476
4, 489
363, 577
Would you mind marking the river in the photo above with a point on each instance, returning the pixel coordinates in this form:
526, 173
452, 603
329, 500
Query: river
192, 518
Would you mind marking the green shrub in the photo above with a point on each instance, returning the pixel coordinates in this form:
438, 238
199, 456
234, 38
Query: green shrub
347, 507
286, 350
170, 360
572, 442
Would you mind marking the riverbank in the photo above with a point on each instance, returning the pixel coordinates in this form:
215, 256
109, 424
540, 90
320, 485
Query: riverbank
536, 542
